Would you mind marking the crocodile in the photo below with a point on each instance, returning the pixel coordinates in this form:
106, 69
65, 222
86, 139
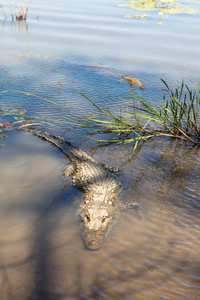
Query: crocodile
101, 205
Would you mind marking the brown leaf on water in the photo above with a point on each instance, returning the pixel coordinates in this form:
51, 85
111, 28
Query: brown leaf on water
134, 82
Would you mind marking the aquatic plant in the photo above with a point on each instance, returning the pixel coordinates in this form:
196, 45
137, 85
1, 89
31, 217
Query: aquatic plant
163, 6
17, 13
177, 115
141, 17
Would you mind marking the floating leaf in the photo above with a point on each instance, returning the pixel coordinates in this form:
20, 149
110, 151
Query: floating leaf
134, 82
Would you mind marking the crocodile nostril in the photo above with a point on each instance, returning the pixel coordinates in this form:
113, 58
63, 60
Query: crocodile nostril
93, 244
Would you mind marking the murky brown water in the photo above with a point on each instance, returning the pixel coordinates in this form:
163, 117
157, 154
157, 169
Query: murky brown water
152, 254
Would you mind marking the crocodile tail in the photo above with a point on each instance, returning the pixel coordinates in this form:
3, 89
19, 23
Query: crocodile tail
56, 141
66, 147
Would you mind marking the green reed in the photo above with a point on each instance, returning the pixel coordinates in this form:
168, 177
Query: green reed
176, 115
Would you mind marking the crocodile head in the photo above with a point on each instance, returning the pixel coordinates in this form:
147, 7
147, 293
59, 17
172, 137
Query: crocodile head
95, 224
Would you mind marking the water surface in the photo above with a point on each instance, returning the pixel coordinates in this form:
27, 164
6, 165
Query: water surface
150, 255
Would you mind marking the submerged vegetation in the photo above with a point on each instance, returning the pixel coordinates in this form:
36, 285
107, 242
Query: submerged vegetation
177, 115
162, 6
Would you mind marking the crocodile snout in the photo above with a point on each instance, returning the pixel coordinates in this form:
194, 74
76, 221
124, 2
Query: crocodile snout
93, 244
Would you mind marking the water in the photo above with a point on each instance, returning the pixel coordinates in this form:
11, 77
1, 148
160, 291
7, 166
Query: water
150, 255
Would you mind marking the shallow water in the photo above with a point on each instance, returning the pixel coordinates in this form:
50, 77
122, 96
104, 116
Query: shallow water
152, 254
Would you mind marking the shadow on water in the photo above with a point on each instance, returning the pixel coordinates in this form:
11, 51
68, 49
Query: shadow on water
43, 250
35, 271
25, 253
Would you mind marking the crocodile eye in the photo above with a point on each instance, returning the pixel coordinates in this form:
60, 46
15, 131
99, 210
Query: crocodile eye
88, 218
